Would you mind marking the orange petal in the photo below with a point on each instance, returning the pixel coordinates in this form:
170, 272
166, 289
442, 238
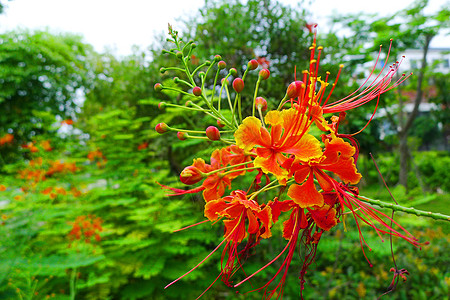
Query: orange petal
279, 206
305, 195
273, 118
235, 230
253, 225
270, 165
338, 147
345, 169
323, 180
214, 209
250, 133
325, 217
301, 173
265, 216
307, 148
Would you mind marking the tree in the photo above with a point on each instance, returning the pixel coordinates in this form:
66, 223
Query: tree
411, 28
41, 72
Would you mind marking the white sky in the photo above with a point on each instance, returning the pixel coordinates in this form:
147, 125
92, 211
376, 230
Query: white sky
119, 24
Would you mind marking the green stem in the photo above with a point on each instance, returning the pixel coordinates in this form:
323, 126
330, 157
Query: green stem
214, 89
254, 96
73, 284
408, 210
227, 167
185, 107
264, 188
239, 170
281, 102
239, 108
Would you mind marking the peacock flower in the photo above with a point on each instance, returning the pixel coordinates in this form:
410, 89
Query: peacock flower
288, 135
237, 209
337, 159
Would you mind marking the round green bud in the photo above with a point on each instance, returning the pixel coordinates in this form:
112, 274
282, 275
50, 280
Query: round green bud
158, 87
222, 65
253, 64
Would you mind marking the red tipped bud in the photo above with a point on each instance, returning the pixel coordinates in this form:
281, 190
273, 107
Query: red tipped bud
222, 65
158, 87
233, 71
217, 57
188, 103
213, 133
264, 74
261, 103
191, 175
197, 91
182, 135
294, 89
253, 64
161, 105
220, 124
238, 85
223, 79
162, 128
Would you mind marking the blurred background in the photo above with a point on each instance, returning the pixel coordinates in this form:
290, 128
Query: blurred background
81, 214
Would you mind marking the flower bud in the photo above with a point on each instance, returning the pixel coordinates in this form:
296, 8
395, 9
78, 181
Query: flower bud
188, 103
222, 81
253, 64
264, 74
220, 124
162, 70
222, 65
197, 91
191, 175
158, 87
213, 133
294, 89
238, 85
194, 45
201, 74
179, 54
217, 58
261, 103
233, 71
161, 105
182, 135
207, 63
162, 128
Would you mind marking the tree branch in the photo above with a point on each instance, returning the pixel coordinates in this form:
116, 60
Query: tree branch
408, 210
419, 94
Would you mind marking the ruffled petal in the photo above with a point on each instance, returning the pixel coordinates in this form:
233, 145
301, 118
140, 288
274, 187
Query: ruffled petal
271, 165
265, 216
325, 217
250, 133
215, 208
235, 230
305, 195
345, 169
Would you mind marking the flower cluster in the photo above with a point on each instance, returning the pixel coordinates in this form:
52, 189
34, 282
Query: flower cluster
86, 227
6, 139
315, 174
